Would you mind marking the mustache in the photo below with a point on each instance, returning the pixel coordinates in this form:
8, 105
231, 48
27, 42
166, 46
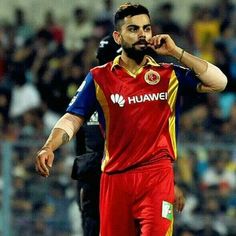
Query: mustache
141, 41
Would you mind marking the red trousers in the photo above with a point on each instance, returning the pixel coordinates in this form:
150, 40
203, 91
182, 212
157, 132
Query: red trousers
138, 202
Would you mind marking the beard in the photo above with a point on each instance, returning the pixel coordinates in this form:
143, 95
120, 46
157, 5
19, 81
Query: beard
137, 54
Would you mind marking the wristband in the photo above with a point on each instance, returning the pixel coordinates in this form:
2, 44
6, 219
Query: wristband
181, 56
66, 125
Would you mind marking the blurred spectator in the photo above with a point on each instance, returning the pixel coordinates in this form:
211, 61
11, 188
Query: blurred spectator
206, 29
78, 29
210, 228
59, 207
217, 175
89, 55
54, 28
222, 58
107, 11
5, 96
103, 22
223, 10
215, 116
102, 27
23, 30
195, 15
3, 62
24, 95
74, 78
186, 233
31, 125
230, 124
186, 169
164, 21
227, 41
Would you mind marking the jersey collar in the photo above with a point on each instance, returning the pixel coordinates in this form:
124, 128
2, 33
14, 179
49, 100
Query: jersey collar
150, 61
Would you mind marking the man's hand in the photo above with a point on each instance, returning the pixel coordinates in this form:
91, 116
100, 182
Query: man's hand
163, 44
179, 199
43, 161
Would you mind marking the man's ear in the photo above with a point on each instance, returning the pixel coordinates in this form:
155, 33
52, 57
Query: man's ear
117, 37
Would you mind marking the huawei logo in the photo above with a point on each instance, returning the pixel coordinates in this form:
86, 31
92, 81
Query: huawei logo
119, 99
137, 99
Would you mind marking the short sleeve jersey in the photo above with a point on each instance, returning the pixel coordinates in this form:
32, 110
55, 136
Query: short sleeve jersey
139, 114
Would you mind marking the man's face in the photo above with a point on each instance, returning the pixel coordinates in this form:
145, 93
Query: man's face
134, 36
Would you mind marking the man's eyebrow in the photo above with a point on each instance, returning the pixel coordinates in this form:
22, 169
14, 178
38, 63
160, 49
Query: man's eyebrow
137, 26
147, 25
132, 26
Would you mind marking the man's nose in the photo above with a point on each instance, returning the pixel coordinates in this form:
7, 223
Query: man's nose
141, 33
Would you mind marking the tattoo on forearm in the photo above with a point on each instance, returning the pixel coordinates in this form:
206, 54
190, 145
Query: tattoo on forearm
65, 138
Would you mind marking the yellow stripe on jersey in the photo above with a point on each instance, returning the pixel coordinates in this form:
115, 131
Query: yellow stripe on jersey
170, 230
103, 102
173, 88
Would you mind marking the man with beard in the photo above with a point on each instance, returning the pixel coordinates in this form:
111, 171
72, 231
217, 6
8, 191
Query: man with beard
86, 168
137, 101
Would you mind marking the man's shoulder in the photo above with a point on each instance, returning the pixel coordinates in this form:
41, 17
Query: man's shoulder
172, 66
166, 65
101, 68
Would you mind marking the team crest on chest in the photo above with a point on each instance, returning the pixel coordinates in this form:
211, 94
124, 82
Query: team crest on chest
152, 77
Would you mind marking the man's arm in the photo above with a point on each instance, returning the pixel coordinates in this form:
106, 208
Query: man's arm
211, 77
61, 134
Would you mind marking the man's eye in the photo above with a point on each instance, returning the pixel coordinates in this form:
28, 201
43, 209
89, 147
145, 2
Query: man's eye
132, 29
147, 29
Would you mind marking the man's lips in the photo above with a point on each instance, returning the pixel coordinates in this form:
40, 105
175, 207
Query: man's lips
141, 43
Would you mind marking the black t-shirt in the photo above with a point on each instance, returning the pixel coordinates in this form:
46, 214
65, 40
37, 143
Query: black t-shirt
90, 138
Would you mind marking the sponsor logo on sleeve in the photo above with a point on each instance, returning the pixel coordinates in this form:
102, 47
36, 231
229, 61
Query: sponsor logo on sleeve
78, 91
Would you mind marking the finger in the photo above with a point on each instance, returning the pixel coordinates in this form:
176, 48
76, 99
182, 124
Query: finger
41, 171
179, 204
182, 203
50, 160
161, 42
154, 41
157, 42
151, 46
41, 166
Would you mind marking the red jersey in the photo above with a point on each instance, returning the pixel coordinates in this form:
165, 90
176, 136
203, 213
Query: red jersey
138, 112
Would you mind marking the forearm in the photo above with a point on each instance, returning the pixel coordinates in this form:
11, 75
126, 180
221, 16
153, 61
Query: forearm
63, 131
57, 138
212, 78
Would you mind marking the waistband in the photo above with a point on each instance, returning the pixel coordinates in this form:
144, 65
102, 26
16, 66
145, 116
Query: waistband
164, 162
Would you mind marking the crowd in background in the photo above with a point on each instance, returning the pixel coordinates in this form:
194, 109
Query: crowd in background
40, 70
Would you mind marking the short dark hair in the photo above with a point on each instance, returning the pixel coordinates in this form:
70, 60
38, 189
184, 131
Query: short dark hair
128, 9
